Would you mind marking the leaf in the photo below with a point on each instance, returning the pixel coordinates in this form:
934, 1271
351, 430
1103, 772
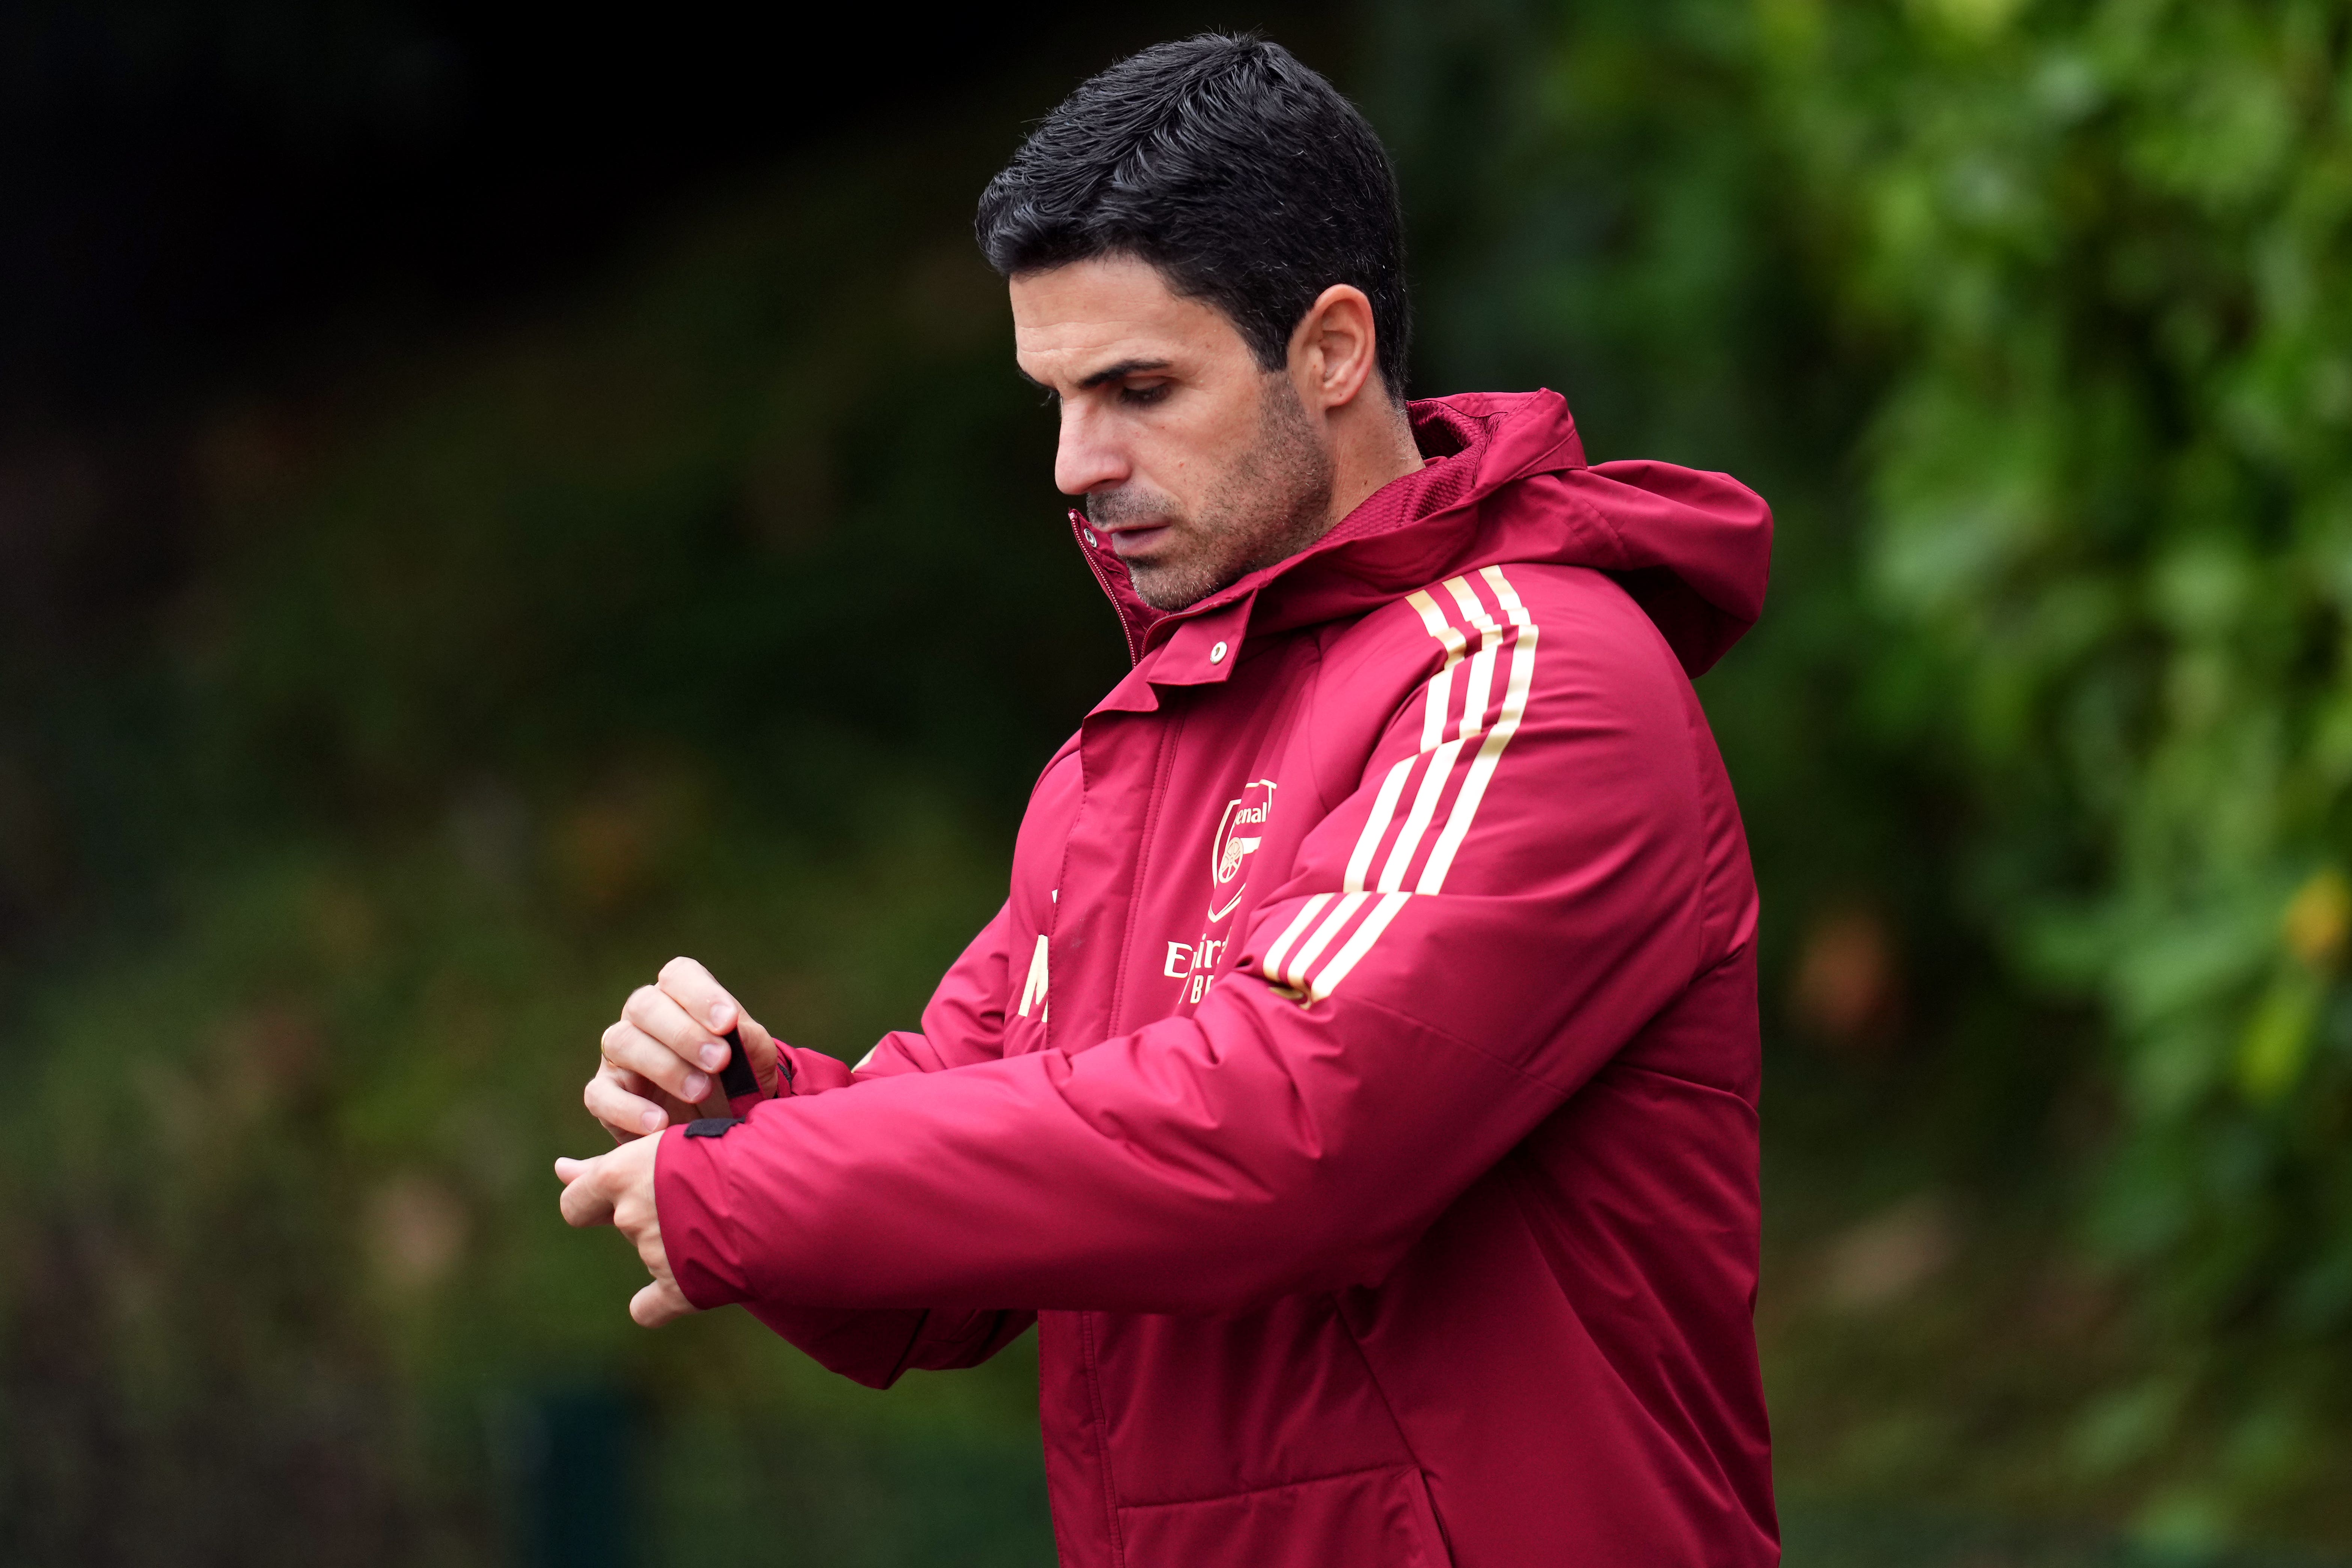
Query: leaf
2278, 1036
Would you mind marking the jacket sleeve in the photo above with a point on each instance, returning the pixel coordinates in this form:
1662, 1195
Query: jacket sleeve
1530, 867
964, 1022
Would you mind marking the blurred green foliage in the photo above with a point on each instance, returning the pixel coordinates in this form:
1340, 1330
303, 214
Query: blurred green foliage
2032, 317
725, 608
2107, 245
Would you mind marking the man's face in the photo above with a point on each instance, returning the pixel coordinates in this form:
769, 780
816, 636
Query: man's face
1198, 465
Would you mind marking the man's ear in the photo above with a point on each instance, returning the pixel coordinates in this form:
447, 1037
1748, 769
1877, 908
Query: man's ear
1334, 349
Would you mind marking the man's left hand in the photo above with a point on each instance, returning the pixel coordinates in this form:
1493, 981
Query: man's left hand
617, 1189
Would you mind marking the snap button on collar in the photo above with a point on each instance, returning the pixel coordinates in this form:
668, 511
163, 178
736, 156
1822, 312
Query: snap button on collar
1217, 654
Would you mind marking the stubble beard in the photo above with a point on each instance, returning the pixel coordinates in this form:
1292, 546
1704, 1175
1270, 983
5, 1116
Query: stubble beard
1273, 502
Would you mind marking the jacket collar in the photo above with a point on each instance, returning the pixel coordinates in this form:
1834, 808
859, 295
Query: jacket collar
1401, 536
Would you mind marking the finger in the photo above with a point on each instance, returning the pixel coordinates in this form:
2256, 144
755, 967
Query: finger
586, 1198
715, 1107
710, 1011
658, 1014
622, 1113
660, 1302
614, 1098
648, 1242
699, 995
759, 1049
626, 1045
677, 1110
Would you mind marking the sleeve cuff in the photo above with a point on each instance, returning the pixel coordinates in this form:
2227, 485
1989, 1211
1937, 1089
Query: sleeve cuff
698, 1237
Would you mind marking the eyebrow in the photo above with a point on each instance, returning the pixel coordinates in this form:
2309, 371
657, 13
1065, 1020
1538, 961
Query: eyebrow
1118, 371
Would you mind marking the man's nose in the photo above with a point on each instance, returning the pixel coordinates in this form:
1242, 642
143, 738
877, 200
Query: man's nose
1086, 460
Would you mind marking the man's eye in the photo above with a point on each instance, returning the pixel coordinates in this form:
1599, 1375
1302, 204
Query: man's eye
1143, 396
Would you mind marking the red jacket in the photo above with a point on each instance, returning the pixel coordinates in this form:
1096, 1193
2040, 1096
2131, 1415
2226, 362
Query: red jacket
1359, 1087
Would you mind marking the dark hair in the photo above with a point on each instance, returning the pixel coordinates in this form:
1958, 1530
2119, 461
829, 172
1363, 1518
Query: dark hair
1239, 173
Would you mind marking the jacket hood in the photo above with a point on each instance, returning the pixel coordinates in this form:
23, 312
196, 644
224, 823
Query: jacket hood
1507, 482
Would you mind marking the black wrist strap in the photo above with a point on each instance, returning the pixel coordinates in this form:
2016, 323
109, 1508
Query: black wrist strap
736, 1077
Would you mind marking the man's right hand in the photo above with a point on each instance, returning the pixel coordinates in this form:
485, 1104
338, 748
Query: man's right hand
662, 1057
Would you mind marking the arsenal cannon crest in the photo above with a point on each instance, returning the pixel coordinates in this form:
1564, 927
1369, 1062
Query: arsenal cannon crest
1238, 834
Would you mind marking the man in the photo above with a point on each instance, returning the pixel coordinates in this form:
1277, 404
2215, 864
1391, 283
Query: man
1359, 1087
